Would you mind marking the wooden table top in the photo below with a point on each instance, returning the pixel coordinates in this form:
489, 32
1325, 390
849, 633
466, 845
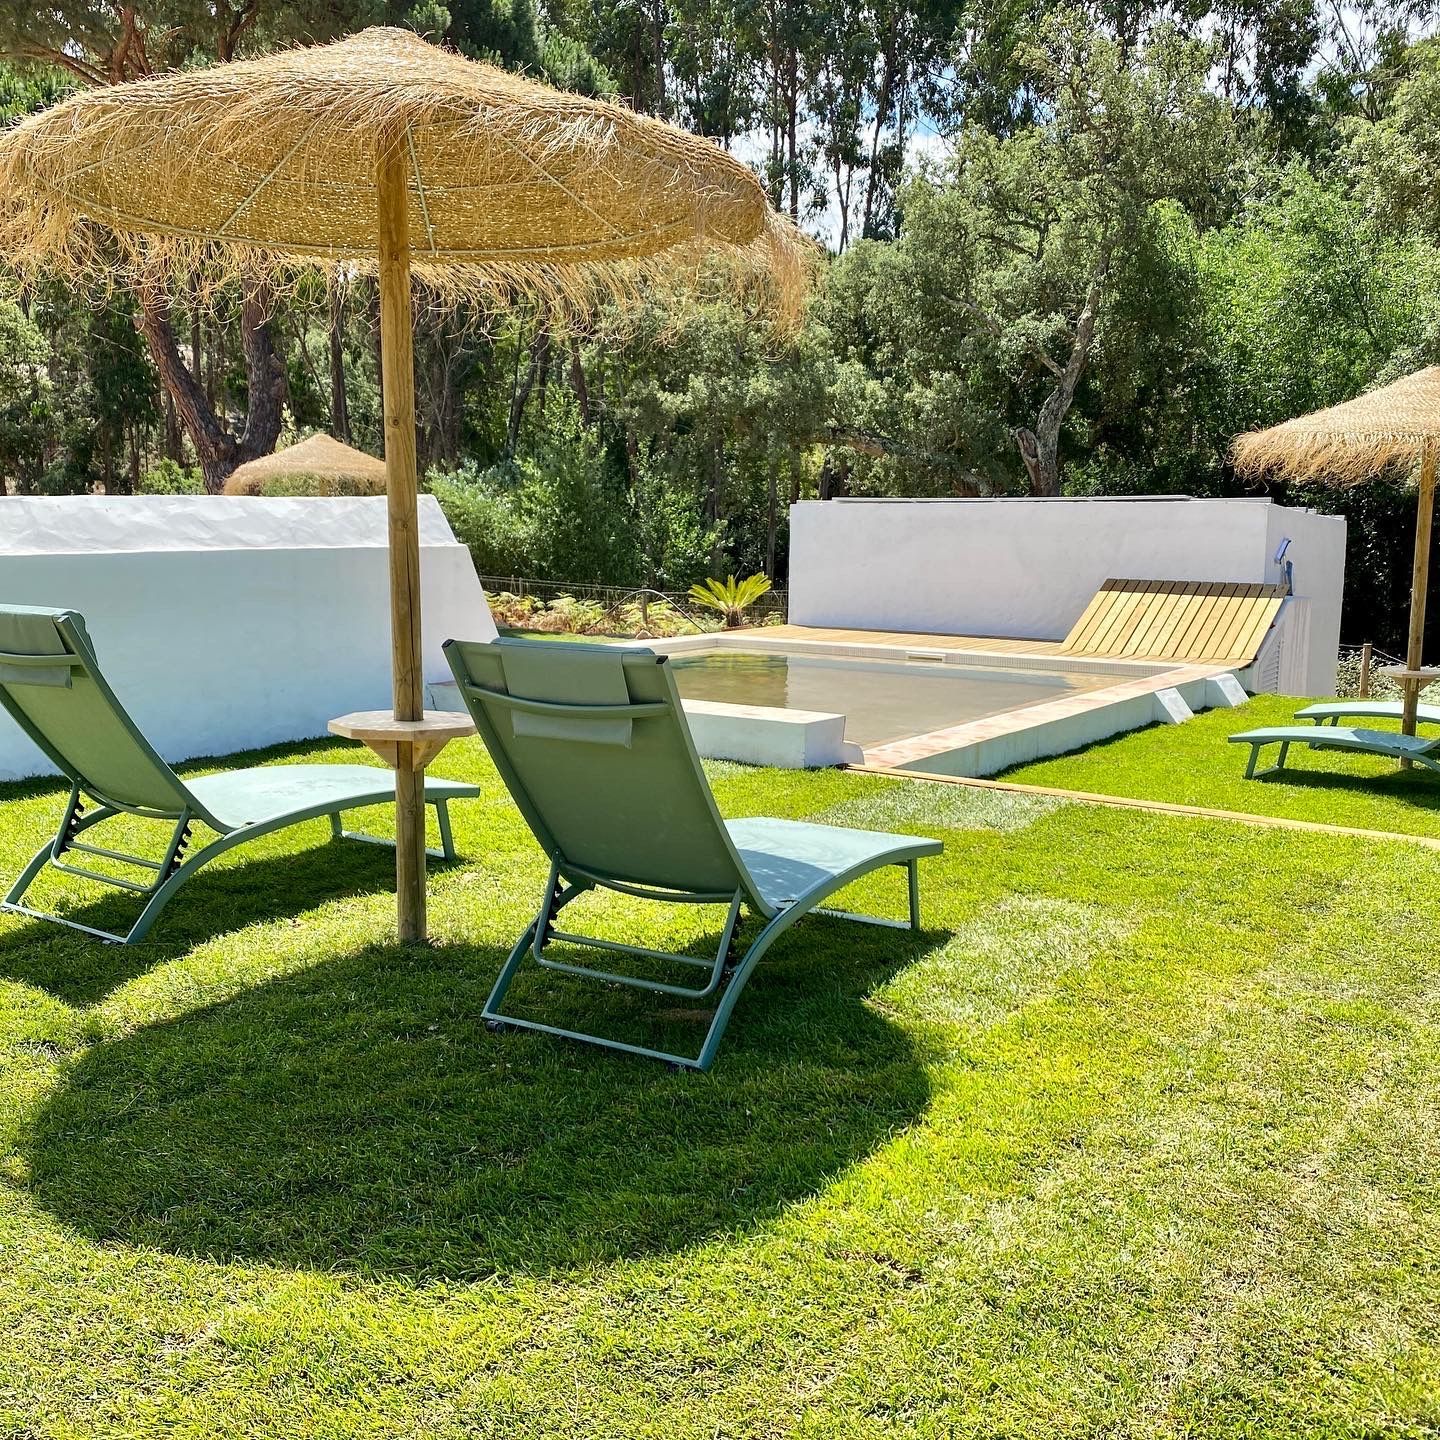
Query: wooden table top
1425, 676
404, 744
368, 725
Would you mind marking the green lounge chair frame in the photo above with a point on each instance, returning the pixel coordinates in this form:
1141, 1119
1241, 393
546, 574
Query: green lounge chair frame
52, 686
593, 745
1331, 712
1387, 743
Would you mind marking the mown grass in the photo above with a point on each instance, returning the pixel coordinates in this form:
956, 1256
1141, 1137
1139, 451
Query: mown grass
1137, 1138
1193, 764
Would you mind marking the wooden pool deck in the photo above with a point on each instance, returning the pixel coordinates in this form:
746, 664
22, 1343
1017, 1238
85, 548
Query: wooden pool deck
910, 640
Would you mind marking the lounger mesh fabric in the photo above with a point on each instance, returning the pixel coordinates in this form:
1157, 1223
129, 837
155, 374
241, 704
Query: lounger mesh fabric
70, 712
80, 726
593, 745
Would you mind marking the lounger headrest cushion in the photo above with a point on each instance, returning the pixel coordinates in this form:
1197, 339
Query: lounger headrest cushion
26, 630
572, 676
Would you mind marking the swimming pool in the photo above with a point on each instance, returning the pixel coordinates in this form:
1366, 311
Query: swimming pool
882, 700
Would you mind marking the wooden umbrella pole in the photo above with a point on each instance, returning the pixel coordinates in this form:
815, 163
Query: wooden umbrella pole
1420, 584
402, 485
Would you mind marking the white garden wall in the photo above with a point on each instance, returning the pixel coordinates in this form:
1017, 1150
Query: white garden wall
230, 622
1027, 568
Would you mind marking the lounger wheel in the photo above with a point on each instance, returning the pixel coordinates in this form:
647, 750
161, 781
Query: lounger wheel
497, 1027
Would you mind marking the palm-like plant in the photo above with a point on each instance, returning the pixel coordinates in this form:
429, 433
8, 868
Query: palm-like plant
731, 597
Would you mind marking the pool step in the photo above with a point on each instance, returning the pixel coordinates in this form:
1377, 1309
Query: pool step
752, 734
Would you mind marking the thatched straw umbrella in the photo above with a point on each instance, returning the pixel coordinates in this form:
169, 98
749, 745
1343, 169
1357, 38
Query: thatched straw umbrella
1350, 443
387, 155
335, 469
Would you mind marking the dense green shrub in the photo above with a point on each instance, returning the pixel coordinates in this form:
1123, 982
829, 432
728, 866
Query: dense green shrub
165, 477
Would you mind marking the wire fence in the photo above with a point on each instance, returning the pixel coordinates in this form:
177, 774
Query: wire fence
1378, 656
1357, 677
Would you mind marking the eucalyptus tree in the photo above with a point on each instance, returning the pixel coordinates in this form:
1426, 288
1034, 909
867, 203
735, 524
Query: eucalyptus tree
26, 399
1026, 241
715, 81
1394, 158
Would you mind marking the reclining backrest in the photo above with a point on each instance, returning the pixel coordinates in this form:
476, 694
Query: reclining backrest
50, 682
592, 742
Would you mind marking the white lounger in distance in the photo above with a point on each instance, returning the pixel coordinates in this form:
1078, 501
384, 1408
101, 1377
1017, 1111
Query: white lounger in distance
1388, 743
1332, 711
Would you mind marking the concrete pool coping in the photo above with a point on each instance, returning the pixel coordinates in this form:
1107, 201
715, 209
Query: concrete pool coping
972, 650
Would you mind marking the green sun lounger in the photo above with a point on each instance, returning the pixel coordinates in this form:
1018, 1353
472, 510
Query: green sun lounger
594, 747
1387, 743
50, 682
1331, 712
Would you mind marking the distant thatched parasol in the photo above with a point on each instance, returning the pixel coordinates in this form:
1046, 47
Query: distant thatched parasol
334, 468
356, 157
1398, 424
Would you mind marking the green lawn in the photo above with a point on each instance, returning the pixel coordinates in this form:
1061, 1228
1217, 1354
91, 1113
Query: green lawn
1192, 764
1138, 1138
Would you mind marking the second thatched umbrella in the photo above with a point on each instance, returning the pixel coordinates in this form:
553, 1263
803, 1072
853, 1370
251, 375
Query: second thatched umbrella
320, 465
1348, 444
381, 154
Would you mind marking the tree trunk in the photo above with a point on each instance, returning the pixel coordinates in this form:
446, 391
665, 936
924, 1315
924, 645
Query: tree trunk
379, 349
195, 366
339, 403
107, 459
212, 368
772, 518
1040, 447
792, 108
544, 381
657, 27
539, 357
577, 381
134, 476
173, 449
265, 377
714, 507
882, 113
217, 451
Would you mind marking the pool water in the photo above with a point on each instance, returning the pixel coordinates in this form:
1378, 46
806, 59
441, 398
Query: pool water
882, 699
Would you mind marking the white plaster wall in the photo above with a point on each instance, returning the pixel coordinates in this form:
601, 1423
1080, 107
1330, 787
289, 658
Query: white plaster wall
1027, 568
1317, 557
230, 622
1022, 568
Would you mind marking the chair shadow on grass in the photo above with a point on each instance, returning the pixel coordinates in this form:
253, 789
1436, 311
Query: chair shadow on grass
1420, 787
80, 970
360, 1117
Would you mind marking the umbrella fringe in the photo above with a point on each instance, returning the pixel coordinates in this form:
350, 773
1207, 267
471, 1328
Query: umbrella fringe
1350, 443
266, 168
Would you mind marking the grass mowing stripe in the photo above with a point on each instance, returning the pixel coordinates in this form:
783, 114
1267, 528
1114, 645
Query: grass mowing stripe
1133, 1139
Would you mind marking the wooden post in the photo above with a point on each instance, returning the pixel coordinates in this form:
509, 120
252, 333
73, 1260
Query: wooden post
398, 369
1424, 518
1367, 654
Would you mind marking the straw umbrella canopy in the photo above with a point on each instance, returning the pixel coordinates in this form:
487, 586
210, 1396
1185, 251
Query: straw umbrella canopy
383, 154
1350, 443
336, 468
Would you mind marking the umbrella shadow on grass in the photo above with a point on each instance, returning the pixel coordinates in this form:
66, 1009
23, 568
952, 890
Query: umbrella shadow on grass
360, 1117
81, 970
